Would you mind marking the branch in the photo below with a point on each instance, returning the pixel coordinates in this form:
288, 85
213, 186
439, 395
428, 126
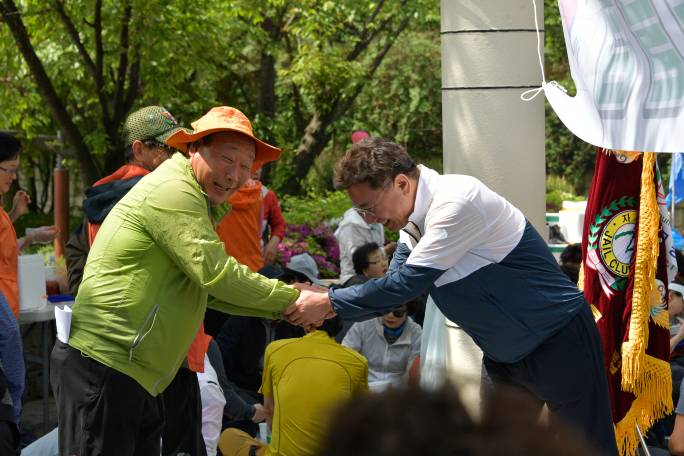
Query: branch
46, 174
87, 60
299, 117
122, 70
73, 34
97, 30
392, 38
133, 84
13, 19
373, 15
366, 39
316, 133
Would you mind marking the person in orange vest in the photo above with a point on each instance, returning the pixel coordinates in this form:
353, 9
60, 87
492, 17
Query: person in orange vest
11, 353
272, 222
240, 229
144, 133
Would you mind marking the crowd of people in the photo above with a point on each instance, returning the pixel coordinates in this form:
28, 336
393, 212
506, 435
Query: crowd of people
185, 338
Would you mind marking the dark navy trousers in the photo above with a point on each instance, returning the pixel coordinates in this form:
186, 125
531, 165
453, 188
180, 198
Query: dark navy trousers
566, 372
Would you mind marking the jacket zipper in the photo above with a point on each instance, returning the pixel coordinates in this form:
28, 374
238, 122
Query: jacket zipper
139, 336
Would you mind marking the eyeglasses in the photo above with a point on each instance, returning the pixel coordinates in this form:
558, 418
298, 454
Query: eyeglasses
382, 260
151, 143
11, 171
369, 211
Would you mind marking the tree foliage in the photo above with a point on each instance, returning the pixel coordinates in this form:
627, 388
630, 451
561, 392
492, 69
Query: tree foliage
296, 68
566, 154
307, 72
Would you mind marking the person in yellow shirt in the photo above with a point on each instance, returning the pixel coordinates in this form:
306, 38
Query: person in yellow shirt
304, 380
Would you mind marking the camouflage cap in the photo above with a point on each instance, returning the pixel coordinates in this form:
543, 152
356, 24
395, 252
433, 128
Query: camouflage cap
151, 122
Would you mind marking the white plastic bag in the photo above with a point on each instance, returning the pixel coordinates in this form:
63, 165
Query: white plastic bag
433, 348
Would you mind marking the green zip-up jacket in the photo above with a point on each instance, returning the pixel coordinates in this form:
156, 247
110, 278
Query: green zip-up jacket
155, 265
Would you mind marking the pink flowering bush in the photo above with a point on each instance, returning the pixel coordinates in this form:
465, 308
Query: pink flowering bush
318, 241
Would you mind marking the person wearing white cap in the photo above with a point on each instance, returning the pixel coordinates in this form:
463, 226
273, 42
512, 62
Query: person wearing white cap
306, 265
675, 306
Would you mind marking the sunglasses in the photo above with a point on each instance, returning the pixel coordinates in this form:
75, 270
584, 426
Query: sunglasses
398, 312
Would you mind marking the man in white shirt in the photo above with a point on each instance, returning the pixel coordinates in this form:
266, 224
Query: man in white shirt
488, 270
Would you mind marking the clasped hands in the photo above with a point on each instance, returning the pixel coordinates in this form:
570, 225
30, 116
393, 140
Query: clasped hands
311, 308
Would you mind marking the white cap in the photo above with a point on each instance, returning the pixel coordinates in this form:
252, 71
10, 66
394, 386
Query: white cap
678, 287
304, 264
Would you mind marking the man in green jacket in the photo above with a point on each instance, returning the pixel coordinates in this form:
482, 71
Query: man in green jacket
153, 269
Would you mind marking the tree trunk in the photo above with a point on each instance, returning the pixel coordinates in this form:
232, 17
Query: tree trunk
267, 79
33, 186
87, 165
267, 100
316, 135
313, 142
46, 164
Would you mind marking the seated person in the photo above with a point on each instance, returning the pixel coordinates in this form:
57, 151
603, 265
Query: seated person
570, 261
243, 340
369, 261
304, 380
676, 444
352, 232
675, 307
390, 343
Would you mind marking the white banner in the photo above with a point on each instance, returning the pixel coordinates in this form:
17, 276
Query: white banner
627, 61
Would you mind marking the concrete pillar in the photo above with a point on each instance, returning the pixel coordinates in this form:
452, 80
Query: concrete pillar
488, 59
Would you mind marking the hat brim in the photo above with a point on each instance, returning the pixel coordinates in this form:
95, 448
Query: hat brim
313, 280
165, 136
265, 153
679, 288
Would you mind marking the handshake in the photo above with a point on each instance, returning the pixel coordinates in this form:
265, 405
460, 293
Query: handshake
311, 308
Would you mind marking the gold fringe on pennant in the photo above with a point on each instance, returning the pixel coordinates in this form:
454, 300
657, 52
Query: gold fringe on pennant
646, 377
648, 407
634, 350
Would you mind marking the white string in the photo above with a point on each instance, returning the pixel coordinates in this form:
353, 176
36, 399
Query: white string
529, 95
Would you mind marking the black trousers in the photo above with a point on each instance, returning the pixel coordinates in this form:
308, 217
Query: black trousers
182, 433
566, 372
9, 439
100, 410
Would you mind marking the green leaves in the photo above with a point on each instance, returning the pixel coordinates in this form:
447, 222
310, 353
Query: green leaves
192, 55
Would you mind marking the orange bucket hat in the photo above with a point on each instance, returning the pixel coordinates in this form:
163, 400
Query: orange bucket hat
224, 118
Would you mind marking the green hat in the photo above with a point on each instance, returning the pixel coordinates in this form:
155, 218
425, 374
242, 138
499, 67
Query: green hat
151, 122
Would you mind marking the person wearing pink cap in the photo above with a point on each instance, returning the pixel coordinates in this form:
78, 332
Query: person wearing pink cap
153, 269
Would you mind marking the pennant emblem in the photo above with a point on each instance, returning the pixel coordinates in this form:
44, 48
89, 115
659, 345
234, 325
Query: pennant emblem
610, 249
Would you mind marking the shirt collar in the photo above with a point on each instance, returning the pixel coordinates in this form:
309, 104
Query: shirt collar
427, 182
403, 339
321, 335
